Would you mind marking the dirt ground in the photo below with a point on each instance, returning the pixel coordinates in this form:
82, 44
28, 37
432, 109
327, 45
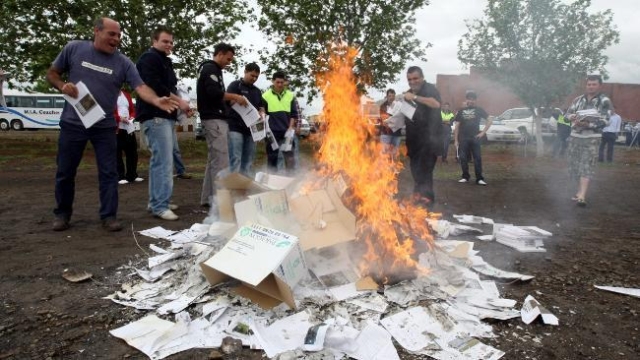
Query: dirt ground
44, 316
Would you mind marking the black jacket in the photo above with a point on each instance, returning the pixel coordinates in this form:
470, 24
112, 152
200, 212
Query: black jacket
424, 130
156, 70
210, 91
253, 94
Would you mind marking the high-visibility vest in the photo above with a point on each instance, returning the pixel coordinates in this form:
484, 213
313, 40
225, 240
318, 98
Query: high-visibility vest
446, 117
562, 120
277, 103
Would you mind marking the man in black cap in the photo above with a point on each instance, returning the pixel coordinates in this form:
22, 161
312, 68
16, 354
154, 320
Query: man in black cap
468, 137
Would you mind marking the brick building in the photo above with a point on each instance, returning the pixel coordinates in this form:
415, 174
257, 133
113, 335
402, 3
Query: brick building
496, 98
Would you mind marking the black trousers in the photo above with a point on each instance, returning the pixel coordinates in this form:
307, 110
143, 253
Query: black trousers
470, 146
560, 144
422, 164
127, 145
608, 140
446, 140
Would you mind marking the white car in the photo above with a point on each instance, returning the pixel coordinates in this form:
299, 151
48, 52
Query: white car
305, 128
522, 119
499, 132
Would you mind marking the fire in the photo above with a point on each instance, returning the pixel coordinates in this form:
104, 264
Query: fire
390, 229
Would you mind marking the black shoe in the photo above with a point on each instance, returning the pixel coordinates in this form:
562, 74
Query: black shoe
60, 224
111, 224
184, 176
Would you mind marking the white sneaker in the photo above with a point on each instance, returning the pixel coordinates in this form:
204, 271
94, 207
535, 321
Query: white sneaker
123, 182
171, 207
167, 215
481, 182
139, 179
462, 181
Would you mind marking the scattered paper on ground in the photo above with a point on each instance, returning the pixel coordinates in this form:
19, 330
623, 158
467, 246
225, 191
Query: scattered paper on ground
531, 309
621, 290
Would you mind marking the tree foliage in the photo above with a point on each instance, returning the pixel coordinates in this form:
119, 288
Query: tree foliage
540, 49
304, 32
32, 33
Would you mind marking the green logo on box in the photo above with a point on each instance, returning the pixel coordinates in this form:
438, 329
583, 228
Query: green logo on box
283, 243
245, 231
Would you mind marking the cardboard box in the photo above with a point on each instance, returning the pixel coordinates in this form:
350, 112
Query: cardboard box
322, 218
268, 262
233, 188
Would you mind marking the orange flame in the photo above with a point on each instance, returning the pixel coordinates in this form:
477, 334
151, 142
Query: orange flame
388, 227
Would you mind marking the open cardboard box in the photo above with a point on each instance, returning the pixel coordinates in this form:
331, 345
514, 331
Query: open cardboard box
322, 219
268, 262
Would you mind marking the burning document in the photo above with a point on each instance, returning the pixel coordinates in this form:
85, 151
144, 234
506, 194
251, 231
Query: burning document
531, 309
86, 106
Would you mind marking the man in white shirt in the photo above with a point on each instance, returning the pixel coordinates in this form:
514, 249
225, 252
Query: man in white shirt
609, 136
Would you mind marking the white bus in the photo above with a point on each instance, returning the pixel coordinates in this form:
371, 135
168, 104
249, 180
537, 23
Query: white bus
30, 110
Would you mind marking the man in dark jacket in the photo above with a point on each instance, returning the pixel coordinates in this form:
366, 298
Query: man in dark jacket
242, 148
424, 134
156, 70
213, 109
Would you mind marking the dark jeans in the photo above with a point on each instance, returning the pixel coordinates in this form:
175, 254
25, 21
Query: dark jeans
608, 140
272, 155
422, 164
471, 145
446, 139
127, 145
71, 144
560, 143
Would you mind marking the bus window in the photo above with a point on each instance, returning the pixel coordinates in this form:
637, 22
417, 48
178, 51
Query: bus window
44, 102
24, 101
11, 101
58, 102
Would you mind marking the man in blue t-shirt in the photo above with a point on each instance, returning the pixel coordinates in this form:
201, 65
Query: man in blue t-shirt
103, 69
468, 137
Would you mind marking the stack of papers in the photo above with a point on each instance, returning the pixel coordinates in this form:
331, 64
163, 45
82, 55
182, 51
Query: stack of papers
522, 238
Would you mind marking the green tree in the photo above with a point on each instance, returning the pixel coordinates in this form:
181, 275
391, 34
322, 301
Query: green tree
540, 49
33, 33
305, 30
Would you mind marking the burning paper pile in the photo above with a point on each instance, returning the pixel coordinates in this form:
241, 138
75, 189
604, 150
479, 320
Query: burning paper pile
335, 266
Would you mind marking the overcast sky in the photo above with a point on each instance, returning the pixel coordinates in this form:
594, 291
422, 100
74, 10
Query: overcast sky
442, 24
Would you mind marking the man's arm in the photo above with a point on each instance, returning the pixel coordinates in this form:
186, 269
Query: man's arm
165, 103
457, 130
431, 102
487, 124
54, 77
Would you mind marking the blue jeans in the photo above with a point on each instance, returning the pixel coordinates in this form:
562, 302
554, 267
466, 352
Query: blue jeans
470, 146
160, 135
177, 157
71, 144
242, 151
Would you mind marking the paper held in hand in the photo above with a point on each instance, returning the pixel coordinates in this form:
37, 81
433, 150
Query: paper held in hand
248, 112
86, 106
